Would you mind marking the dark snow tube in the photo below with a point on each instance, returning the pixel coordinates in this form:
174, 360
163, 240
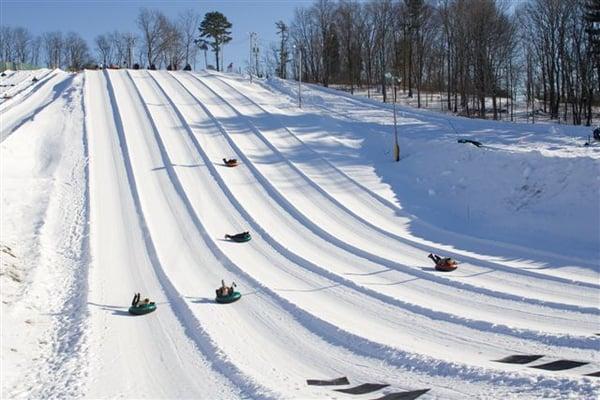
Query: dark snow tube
228, 299
446, 267
142, 309
231, 162
240, 237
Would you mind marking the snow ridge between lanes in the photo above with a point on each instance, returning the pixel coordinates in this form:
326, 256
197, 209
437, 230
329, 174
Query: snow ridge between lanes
584, 342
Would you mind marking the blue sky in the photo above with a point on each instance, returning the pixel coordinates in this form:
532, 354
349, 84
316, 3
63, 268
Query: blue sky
92, 17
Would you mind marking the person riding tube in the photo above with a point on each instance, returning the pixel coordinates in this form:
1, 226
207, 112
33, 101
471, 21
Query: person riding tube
443, 263
232, 162
239, 237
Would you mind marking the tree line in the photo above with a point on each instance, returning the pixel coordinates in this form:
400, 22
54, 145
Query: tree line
160, 42
18, 47
472, 52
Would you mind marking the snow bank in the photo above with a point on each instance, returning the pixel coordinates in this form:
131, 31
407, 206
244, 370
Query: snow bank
534, 186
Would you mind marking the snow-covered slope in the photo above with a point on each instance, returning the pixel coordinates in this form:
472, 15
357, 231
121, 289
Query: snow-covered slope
112, 183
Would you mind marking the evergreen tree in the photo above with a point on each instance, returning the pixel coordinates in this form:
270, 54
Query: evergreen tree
216, 27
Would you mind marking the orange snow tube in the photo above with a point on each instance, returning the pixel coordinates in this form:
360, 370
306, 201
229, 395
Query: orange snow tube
446, 265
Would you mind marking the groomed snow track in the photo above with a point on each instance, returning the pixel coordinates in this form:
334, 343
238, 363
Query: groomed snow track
332, 285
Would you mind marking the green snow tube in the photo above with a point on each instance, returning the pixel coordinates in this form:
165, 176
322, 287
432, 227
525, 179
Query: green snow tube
228, 299
142, 309
240, 237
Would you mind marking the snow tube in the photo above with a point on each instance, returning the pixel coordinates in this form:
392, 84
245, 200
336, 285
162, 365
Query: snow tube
142, 309
230, 163
228, 299
446, 266
240, 237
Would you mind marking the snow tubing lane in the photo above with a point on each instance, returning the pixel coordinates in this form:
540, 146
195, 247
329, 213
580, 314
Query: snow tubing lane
143, 309
229, 299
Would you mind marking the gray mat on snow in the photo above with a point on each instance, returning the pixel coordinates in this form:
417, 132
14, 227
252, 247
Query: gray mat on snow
560, 365
331, 382
404, 395
364, 388
519, 359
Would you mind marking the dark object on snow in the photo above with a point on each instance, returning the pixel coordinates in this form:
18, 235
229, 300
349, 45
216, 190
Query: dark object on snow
230, 298
136, 299
364, 388
187, 67
232, 162
331, 382
444, 264
596, 133
143, 308
560, 365
519, 359
152, 67
404, 395
596, 374
140, 308
136, 66
227, 294
474, 142
34, 79
3, 74
239, 237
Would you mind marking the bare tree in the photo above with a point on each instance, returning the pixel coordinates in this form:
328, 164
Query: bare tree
35, 48
150, 22
348, 23
76, 51
188, 23
171, 44
476, 51
21, 41
7, 50
104, 46
283, 31
271, 60
53, 46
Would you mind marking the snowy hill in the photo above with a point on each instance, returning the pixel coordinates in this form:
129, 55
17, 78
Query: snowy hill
113, 183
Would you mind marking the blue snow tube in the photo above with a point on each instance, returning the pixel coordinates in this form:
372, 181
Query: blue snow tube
240, 237
229, 298
142, 309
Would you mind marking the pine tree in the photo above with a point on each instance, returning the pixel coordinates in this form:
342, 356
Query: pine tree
216, 26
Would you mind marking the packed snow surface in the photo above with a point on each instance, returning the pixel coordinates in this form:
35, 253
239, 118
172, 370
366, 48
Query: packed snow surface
113, 183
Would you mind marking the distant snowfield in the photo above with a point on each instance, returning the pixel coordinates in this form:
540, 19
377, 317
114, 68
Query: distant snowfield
112, 183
